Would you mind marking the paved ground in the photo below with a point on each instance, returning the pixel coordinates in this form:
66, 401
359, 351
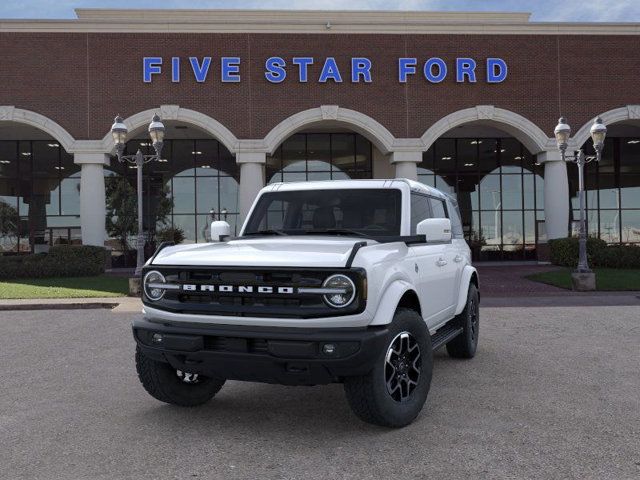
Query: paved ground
510, 281
553, 393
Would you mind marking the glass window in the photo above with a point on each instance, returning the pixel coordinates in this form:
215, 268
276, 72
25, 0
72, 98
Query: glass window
207, 194
8, 159
445, 156
183, 155
630, 226
510, 155
629, 155
610, 226
512, 192
630, 191
420, 210
456, 222
488, 158
318, 153
490, 192
343, 152
512, 229
467, 156
438, 210
320, 156
373, 212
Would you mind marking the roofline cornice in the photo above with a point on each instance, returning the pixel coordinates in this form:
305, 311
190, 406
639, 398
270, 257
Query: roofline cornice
305, 21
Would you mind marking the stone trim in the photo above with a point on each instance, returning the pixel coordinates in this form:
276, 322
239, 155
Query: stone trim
382, 138
9, 113
617, 115
175, 112
514, 124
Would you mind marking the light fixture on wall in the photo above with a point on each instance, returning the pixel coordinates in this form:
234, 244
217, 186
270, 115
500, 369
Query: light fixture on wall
119, 133
562, 133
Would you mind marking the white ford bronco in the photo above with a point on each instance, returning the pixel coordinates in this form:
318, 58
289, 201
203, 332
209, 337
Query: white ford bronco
351, 281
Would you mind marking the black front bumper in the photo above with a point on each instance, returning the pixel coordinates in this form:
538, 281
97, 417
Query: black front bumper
288, 356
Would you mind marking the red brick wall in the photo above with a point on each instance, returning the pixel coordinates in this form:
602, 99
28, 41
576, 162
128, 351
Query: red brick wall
82, 80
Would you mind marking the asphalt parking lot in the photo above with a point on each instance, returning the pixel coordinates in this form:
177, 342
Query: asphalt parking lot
553, 393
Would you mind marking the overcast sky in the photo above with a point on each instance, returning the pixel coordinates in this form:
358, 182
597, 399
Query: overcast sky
542, 10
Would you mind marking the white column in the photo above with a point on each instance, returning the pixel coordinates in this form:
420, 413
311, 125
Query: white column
556, 194
406, 163
92, 197
251, 179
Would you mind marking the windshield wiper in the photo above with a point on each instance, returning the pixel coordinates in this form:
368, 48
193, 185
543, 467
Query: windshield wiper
264, 232
337, 231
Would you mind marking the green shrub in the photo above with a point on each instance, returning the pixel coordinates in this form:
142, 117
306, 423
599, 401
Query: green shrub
618, 256
61, 261
170, 234
565, 252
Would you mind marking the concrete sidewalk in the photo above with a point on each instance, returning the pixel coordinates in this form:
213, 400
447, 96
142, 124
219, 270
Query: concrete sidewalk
117, 304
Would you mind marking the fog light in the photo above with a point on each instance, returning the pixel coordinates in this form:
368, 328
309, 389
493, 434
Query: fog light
157, 338
329, 348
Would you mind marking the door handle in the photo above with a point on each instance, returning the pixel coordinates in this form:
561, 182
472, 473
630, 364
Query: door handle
441, 262
458, 258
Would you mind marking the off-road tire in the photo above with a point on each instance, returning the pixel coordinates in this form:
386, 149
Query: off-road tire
162, 382
368, 396
466, 344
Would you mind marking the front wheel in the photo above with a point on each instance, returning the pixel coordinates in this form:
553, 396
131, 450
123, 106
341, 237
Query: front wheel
393, 393
173, 386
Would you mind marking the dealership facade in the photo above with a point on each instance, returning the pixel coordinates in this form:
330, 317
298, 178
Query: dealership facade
466, 102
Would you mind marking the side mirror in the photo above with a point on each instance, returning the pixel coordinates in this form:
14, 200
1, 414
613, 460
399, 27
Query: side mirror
435, 229
219, 231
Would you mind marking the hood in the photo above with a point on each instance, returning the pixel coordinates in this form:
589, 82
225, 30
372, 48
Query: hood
291, 251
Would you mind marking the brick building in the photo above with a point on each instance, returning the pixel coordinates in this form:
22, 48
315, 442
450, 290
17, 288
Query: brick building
463, 101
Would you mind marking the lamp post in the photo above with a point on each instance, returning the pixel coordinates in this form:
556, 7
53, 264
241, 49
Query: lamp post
156, 132
562, 133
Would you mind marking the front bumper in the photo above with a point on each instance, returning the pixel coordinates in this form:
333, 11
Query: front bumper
288, 356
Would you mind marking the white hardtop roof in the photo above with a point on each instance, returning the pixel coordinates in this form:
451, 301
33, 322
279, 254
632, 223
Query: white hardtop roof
398, 183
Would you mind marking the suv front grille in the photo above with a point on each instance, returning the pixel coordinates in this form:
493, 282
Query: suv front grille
281, 301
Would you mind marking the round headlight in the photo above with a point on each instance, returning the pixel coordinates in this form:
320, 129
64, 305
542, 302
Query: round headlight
345, 291
151, 279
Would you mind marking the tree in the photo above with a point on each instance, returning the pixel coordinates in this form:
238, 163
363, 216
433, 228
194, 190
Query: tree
9, 224
122, 210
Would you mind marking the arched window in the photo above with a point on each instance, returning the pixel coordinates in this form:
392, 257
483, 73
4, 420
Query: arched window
499, 191
320, 156
195, 179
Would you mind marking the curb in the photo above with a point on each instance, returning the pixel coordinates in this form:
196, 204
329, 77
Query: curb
58, 306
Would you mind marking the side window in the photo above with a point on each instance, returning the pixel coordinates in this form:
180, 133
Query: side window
420, 210
456, 223
437, 206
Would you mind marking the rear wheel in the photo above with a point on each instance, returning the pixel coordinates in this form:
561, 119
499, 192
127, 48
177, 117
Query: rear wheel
173, 386
466, 344
393, 393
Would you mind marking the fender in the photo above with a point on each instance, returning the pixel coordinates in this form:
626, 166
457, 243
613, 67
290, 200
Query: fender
389, 302
464, 287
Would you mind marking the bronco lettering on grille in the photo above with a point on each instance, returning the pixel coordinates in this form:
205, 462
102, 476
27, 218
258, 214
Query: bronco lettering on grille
236, 289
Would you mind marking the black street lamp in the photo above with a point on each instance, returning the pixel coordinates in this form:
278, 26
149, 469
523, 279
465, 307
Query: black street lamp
156, 132
598, 133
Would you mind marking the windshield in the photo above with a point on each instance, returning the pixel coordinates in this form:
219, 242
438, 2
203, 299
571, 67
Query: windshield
357, 212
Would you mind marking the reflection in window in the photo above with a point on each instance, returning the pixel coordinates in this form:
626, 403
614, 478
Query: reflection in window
499, 190
320, 156
612, 191
195, 180
39, 196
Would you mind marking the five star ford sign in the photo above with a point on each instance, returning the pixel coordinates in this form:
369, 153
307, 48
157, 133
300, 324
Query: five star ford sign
362, 69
